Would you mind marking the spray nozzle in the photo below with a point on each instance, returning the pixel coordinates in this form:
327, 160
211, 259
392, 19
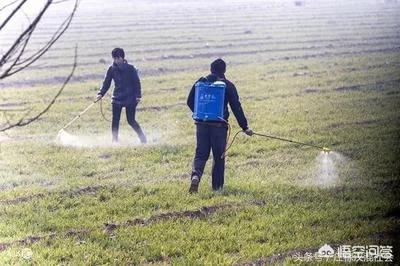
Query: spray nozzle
325, 149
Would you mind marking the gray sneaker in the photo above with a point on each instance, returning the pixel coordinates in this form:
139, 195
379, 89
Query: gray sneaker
194, 185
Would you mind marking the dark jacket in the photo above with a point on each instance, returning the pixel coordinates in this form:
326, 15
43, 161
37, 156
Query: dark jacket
231, 97
127, 84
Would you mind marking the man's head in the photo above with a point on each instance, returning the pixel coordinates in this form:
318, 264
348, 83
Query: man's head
218, 67
118, 55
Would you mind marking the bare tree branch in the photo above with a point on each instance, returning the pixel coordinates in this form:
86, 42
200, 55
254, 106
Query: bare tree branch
15, 11
7, 5
23, 121
17, 43
33, 58
21, 52
23, 46
22, 41
15, 59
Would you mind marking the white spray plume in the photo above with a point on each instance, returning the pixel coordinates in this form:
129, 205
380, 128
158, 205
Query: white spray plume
327, 171
92, 141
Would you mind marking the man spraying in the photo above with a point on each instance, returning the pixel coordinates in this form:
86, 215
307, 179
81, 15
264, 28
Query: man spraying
127, 93
211, 127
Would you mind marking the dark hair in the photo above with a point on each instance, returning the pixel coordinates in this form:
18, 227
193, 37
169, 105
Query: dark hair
118, 52
218, 67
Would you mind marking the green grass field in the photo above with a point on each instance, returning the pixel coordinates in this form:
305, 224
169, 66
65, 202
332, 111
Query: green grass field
327, 73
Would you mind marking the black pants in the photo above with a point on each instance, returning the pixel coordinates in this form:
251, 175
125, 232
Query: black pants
210, 137
130, 116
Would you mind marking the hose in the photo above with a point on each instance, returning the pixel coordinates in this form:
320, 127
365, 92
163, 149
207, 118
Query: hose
102, 111
227, 139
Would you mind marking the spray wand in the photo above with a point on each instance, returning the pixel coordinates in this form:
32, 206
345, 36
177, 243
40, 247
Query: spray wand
324, 149
76, 117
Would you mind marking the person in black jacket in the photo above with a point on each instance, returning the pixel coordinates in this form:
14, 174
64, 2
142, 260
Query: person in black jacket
212, 135
127, 93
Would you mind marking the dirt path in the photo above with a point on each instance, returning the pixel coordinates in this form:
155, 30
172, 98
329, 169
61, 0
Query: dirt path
76, 192
200, 213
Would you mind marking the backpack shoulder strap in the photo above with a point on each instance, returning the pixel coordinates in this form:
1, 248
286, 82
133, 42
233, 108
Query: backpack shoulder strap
203, 79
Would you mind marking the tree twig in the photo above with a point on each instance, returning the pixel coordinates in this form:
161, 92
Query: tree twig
7, 5
15, 11
23, 121
22, 41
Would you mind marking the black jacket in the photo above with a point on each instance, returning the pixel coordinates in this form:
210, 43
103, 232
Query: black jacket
231, 97
127, 84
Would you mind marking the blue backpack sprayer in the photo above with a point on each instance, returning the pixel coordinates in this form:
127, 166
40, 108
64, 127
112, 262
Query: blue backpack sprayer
209, 101
209, 106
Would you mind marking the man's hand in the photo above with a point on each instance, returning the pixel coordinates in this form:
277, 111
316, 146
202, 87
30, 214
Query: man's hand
138, 100
249, 132
98, 97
